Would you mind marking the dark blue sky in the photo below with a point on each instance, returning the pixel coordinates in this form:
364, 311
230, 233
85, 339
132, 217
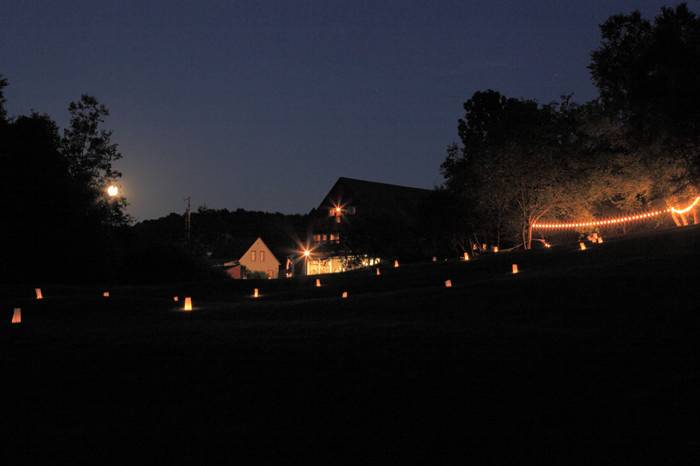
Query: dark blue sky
263, 104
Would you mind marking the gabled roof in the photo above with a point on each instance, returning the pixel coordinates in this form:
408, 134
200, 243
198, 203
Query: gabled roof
242, 245
272, 254
374, 195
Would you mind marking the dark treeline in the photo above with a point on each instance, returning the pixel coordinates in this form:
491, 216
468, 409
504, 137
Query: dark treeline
633, 148
59, 225
220, 233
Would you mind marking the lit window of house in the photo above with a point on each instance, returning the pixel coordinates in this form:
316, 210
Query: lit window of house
253, 255
324, 237
262, 256
317, 238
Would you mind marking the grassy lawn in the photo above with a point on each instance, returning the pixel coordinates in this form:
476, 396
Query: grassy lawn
585, 357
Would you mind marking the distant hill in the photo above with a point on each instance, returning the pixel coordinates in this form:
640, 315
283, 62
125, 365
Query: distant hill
220, 231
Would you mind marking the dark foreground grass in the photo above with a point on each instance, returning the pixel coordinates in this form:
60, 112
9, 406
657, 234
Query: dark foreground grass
582, 358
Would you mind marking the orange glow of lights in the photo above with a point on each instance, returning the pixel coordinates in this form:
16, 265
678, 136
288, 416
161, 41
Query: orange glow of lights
318, 283
344, 295
600, 240
17, 316
617, 220
105, 294
547, 245
515, 269
582, 246
379, 272
176, 299
112, 191
256, 293
495, 249
465, 257
448, 283
306, 253
188, 304
37, 291
687, 209
396, 264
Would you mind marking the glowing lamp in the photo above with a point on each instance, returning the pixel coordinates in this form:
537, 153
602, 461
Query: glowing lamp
396, 264
515, 269
256, 293
344, 295
495, 249
547, 245
379, 272
465, 257
318, 283
448, 283
434, 259
176, 299
600, 240
112, 191
188, 303
38, 293
307, 253
582, 246
17, 316
105, 294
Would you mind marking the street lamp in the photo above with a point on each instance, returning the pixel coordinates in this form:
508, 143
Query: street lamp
112, 190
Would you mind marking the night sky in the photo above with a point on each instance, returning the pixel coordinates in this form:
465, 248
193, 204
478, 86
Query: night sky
264, 104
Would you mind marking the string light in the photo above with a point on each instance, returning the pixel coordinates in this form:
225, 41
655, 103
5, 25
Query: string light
616, 220
687, 209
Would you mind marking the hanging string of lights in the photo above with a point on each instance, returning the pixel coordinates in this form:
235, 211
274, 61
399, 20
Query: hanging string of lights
616, 220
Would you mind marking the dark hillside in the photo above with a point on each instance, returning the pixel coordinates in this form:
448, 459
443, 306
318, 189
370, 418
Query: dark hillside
585, 357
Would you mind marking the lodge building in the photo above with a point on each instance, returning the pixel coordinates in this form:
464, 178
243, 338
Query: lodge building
361, 215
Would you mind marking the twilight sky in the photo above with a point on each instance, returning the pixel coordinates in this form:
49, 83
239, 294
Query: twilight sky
263, 104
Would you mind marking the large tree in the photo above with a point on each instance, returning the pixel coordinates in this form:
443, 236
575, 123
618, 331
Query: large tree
518, 162
647, 73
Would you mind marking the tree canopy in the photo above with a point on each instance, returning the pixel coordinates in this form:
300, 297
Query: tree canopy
518, 161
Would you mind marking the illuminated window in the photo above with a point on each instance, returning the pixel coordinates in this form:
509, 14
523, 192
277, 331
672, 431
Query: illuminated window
262, 256
324, 237
317, 238
252, 256
331, 212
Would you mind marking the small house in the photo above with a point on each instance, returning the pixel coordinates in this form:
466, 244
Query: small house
255, 257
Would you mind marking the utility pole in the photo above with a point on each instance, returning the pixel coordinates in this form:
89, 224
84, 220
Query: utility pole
188, 223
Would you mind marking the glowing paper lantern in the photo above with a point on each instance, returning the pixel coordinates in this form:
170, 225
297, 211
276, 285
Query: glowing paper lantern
256, 293
17, 316
188, 303
344, 295
465, 256
176, 299
448, 283
38, 293
318, 283
582, 246
396, 264
379, 272
515, 269
105, 294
